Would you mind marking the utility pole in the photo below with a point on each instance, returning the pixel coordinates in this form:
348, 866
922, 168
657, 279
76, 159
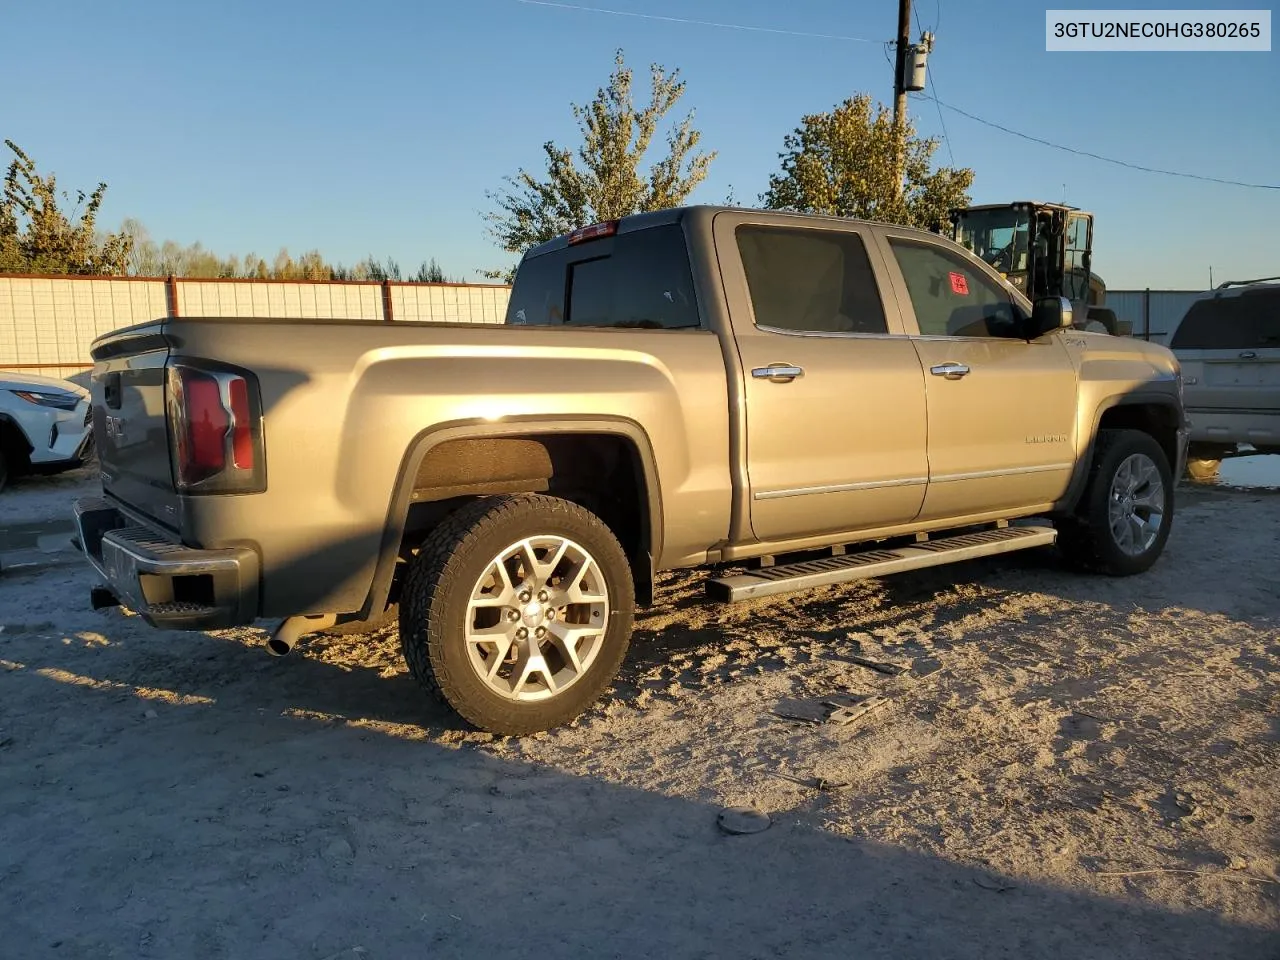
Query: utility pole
900, 95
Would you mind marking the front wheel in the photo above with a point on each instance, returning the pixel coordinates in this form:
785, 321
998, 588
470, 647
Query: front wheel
1126, 512
517, 612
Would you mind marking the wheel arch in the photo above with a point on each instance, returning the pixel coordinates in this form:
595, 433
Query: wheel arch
1156, 414
516, 455
14, 444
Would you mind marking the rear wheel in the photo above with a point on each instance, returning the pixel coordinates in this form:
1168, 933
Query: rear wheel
517, 612
1125, 514
4, 470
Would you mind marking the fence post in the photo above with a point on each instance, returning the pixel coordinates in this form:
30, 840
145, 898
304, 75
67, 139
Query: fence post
1146, 313
386, 301
171, 294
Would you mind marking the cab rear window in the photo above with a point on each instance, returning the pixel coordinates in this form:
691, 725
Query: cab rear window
637, 280
1246, 321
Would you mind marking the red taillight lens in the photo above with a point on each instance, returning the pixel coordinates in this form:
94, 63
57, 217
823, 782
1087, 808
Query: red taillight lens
214, 424
207, 423
241, 417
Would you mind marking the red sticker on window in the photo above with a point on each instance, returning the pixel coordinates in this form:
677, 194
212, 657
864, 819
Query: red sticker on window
959, 284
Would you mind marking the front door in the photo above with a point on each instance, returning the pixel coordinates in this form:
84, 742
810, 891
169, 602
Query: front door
1001, 410
834, 394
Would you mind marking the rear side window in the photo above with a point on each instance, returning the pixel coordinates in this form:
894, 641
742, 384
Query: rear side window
1246, 321
810, 281
638, 280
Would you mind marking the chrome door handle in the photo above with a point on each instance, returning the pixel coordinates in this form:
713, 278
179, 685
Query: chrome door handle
778, 373
952, 371
1248, 355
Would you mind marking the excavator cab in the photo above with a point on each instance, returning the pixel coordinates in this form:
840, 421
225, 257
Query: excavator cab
1044, 250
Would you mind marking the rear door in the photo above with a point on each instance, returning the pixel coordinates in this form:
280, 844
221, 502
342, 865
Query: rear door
1229, 348
129, 422
1001, 411
834, 394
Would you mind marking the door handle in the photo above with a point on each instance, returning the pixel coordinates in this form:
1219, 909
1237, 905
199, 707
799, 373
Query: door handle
778, 373
952, 371
1248, 355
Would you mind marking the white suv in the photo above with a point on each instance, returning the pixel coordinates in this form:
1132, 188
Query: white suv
45, 425
1229, 346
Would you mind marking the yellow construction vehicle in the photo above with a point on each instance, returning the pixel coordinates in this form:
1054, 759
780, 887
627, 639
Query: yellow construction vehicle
1044, 250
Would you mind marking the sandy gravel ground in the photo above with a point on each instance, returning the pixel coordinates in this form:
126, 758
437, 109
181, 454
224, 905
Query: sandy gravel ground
1071, 768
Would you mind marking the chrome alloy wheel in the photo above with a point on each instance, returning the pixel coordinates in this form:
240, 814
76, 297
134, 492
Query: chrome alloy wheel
537, 618
1136, 504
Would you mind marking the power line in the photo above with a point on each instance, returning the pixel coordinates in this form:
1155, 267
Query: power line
699, 23
1096, 156
941, 119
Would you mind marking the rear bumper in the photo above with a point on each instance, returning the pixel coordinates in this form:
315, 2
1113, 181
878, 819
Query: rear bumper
169, 585
1260, 428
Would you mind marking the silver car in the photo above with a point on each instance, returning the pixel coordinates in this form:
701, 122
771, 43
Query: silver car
1229, 346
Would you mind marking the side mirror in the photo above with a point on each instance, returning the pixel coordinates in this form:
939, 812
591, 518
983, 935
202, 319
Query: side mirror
1048, 314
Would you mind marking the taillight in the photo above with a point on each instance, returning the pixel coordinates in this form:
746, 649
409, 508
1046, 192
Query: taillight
215, 430
241, 435
207, 422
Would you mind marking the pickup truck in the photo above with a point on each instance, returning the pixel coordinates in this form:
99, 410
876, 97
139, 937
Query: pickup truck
791, 401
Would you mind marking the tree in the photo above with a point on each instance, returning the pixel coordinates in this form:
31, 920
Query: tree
603, 179
430, 273
37, 236
842, 163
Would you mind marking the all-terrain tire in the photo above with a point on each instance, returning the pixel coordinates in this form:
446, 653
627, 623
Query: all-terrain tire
1087, 538
438, 587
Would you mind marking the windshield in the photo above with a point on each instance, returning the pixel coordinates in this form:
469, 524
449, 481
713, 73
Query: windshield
997, 236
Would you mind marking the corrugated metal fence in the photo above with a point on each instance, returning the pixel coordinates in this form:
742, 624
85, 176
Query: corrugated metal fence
1153, 313
48, 323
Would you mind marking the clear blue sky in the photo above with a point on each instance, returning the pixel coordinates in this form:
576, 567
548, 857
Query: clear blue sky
378, 127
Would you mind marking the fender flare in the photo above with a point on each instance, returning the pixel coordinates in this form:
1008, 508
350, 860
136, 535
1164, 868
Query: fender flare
515, 427
1084, 460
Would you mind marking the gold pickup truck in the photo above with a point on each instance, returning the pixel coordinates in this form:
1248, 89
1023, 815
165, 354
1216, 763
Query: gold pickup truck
789, 401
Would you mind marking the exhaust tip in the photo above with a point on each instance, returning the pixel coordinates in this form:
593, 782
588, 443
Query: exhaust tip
286, 636
278, 647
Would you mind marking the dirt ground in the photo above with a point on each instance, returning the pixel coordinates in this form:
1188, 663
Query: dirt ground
1070, 768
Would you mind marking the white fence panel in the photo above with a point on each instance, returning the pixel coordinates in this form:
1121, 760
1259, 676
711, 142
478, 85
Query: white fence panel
47, 324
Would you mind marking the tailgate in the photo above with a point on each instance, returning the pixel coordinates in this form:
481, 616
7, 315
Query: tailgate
129, 421
1234, 379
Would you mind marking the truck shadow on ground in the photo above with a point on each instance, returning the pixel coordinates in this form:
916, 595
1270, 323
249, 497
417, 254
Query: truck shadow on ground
290, 830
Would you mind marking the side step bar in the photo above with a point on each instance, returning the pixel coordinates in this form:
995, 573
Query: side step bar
877, 563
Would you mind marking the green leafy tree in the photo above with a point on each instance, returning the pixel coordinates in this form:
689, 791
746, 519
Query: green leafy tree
603, 179
38, 236
842, 163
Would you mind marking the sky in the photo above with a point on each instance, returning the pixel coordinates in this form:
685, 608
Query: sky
380, 127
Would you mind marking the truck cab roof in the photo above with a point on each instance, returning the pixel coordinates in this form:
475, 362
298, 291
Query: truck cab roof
641, 221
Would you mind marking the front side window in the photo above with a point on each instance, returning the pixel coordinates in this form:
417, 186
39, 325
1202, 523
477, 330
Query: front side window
1075, 263
810, 281
950, 296
998, 236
